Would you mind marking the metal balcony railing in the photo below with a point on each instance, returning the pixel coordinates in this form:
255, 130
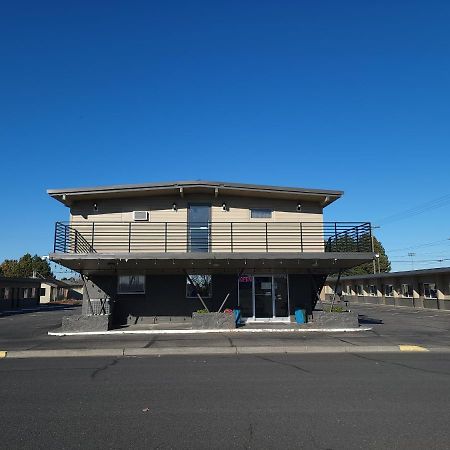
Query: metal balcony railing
234, 237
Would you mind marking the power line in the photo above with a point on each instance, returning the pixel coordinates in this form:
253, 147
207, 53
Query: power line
419, 209
426, 244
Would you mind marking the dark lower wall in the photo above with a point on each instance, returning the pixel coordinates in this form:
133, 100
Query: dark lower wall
302, 291
165, 296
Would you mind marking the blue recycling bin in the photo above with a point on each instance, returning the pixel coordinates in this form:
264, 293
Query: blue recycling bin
300, 315
237, 316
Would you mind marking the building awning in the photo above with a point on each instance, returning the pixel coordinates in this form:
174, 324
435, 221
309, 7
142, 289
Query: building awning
148, 263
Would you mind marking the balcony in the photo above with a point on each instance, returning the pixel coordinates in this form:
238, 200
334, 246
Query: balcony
212, 237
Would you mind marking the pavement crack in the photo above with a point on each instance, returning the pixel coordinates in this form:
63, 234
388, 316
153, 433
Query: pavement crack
151, 342
103, 368
294, 366
406, 366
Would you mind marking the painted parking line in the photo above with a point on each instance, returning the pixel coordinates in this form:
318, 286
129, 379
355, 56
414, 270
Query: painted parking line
2, 354
412, 348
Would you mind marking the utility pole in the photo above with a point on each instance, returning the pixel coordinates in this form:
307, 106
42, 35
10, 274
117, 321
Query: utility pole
377, 256
411, 255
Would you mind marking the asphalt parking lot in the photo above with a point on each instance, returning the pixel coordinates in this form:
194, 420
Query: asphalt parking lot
389, 326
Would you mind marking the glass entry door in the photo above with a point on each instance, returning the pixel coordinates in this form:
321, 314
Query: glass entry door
264, 297
199, 217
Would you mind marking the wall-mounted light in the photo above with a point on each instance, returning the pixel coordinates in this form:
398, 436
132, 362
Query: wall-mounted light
174, 207
299, 207
224, 207
95, 206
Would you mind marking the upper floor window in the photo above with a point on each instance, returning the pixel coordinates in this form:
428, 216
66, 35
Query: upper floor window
131, 284
261, 213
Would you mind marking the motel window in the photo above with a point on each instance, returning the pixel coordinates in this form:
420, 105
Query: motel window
360, 289
33, 292
407, 290
131, 284
429, 290
2, 293
388, 290
24, 293
198, 284
372, 290
261, 213
7, 293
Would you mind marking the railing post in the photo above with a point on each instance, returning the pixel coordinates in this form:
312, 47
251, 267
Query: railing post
301, 236
357, 238
231, 236
65, 238
54, 241
93, 231
76, 241
165, 237
267, 242
335, 237
129, 237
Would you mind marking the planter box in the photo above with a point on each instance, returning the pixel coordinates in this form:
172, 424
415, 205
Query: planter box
213, 320
404, 301
323, 319
73, 324
444, 304
430, 303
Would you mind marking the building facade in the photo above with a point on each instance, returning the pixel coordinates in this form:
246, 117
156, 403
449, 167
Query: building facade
164, 250
426, 288
18, 293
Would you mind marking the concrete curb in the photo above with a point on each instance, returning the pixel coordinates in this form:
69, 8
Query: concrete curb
237, 330
186, 351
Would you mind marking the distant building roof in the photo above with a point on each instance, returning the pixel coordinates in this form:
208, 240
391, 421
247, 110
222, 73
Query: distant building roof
67, 196
436, 270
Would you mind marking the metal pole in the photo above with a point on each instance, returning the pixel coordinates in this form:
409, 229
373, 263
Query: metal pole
335, 288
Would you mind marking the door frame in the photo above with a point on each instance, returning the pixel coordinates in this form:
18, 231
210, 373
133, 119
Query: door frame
189, 244
267, 319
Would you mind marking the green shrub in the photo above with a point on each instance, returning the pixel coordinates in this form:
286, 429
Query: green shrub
202, 311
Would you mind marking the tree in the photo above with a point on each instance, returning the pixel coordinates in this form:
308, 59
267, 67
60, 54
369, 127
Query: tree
367, 268
25, 266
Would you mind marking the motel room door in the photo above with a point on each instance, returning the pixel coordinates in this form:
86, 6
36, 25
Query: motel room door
199, 217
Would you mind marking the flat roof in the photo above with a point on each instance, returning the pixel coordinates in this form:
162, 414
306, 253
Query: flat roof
67, 196
432, 271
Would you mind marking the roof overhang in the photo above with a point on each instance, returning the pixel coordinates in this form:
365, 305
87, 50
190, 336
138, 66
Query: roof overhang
148, 263
182, 188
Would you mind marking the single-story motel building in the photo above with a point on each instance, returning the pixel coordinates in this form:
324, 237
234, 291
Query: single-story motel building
159, 252
425, 288
18, 293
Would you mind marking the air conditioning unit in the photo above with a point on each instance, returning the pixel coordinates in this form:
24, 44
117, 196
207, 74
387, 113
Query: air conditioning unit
140, 216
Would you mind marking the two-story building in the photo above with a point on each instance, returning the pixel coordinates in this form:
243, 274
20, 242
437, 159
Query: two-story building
161, 251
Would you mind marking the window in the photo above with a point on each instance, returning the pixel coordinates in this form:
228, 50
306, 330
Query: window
201, 284
33, 292
131, 284
23, 292
2, 293
389, 290
429, 290
360, 289
42, 292
406, 290
372, 290
7, 293
261, 213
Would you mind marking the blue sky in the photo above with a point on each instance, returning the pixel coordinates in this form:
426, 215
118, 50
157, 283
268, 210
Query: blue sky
344, 95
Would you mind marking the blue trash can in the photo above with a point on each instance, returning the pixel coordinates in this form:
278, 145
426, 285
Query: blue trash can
237, 316
300, 315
